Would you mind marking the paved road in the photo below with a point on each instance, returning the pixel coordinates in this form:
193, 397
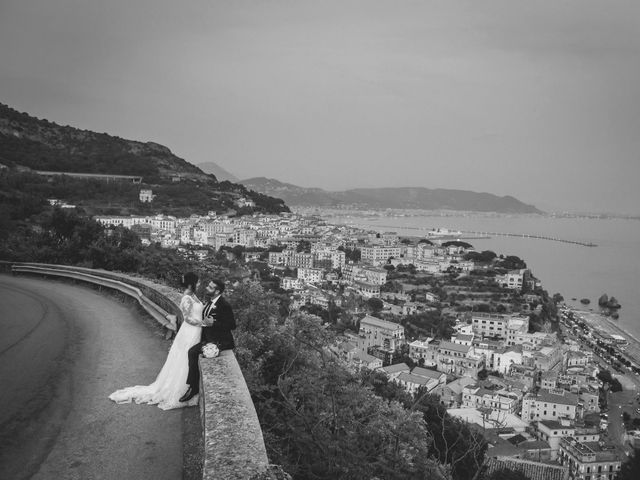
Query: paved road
63, 349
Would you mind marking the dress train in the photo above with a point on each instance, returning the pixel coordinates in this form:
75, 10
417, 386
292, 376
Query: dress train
171, 382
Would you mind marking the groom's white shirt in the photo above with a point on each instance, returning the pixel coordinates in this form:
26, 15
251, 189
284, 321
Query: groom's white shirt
209, 307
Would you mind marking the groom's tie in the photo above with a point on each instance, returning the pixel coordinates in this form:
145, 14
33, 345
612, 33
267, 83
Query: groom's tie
207, 309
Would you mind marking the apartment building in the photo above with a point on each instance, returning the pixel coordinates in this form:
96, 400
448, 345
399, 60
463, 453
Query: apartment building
543, 358
421, 378
589, 460
365, 274
379, 254
288, 283
245, 237
515, 279
459, 359
376, 332
124, 221
505, 357
146, 196
475, 396
552, 431
291, 259
425, 350
490, 324
310, 275
549, 404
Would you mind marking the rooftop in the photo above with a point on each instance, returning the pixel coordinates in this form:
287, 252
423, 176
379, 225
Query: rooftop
398, 367
379, 323
410, 378
556, 396
425, 372
532, 470
446, 345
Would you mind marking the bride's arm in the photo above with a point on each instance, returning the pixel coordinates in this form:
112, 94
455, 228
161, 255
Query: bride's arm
186, 307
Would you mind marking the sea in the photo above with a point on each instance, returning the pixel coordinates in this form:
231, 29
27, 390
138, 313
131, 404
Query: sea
575, 271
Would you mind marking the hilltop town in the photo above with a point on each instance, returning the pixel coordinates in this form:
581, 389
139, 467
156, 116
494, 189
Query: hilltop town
437, 317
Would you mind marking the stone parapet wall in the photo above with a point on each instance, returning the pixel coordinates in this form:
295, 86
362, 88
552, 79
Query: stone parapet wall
233, 442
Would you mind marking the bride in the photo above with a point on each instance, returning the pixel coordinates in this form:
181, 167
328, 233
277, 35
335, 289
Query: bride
172, 379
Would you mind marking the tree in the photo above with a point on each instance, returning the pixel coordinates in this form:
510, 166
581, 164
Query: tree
483, 257
458, 449
351, 254
457, 243
630, 470
375, 305
303, 246
511, 262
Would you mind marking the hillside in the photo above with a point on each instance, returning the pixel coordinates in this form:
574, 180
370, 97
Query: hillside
220, 173
404, 197
29, 145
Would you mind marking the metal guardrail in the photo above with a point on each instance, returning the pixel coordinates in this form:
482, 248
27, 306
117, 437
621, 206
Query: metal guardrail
163, 317
233, 442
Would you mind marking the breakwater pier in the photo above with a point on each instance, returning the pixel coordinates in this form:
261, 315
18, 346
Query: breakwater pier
474, 234
527, 235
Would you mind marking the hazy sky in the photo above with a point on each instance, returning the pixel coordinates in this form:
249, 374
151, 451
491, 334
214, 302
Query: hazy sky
535, 99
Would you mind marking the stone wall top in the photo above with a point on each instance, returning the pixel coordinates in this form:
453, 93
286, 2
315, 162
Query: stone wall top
233, 442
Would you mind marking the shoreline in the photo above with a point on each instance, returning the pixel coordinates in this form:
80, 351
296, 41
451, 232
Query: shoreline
600, 322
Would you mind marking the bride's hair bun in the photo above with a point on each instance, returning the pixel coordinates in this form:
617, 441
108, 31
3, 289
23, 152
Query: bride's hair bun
189, 280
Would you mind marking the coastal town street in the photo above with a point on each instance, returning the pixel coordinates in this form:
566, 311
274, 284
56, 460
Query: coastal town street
620, 403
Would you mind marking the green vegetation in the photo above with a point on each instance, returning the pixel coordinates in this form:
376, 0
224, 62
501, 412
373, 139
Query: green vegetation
28, 144
630, 469
61, 237
322, 421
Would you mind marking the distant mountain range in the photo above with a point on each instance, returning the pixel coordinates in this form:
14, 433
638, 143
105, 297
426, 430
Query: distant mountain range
403, 197
220, 173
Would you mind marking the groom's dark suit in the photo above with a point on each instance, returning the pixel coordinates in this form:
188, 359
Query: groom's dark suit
220, 321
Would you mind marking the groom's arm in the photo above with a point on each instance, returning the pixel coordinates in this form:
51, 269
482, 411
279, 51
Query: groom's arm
224, 318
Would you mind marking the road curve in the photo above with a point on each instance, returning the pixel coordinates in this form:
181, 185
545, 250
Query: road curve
63, 349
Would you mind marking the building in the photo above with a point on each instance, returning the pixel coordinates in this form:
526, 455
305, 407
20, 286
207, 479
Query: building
310, 275
364, 360
424, 350
490, 324
549, 404
146, 196
531, 470
364, 274
394, 371
553, 431
515, 279
459, 359
376, 332
379, 254
505, 357
451, 394
245, 237
124, 221
421, 378
475, 396
93, 176
288, 283
589, 460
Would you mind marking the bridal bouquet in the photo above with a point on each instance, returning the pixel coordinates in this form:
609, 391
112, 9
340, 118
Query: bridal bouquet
210, 350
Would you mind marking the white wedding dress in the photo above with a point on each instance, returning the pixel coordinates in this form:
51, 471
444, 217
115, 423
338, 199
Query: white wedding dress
171, 382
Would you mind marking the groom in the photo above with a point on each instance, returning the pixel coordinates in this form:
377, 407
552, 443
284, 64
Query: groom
218, 321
